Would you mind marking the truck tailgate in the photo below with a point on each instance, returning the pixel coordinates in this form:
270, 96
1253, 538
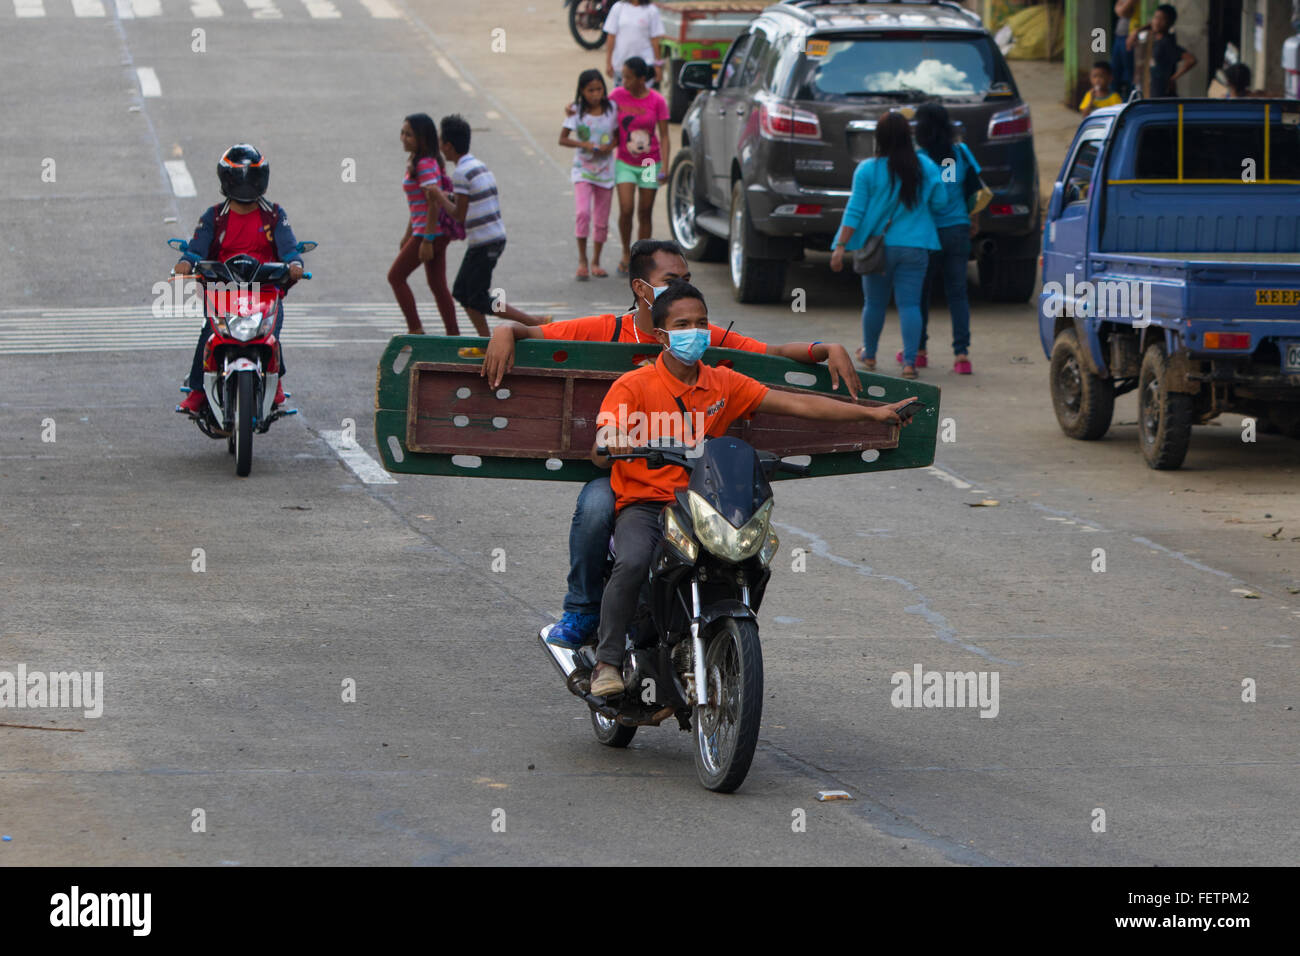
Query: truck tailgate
1210, 285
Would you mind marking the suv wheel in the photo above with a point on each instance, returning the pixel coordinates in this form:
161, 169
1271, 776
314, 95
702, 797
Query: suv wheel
698, 245
752, 280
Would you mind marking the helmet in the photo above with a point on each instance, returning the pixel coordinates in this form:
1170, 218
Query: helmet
244, 173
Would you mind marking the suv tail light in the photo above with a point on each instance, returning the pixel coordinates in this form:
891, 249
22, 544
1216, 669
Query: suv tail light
1011, 124
778, 121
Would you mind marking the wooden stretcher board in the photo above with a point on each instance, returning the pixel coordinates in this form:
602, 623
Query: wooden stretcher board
436, 415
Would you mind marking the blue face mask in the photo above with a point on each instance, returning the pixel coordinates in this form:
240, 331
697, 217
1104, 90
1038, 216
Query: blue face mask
658, 290
688, 345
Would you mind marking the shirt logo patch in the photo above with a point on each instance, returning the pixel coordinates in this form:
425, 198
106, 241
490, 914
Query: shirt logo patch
716, 407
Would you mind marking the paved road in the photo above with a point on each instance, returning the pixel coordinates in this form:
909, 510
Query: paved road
223, 689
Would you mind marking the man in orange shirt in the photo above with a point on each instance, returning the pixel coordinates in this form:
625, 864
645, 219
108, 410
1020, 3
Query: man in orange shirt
652, 265
692, 400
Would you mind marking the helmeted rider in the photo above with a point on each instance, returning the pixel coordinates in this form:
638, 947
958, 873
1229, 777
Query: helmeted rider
245, 223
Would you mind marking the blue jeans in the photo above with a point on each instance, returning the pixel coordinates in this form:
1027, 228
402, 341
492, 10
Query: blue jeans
950, 263
593, 523
905, 275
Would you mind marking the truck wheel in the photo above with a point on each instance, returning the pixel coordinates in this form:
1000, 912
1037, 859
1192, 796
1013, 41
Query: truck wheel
683, 201
679, 100
1083, 402
752, 280
1164, 417
1008, 280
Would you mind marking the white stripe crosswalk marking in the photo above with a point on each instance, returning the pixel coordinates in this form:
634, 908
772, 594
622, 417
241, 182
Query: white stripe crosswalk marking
381, 9
264, 9
149, 85
29, 8
205, 8
182, 181
147, 8
88, 8
322, 9
124, 11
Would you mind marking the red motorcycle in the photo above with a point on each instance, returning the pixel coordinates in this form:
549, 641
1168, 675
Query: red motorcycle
241, 361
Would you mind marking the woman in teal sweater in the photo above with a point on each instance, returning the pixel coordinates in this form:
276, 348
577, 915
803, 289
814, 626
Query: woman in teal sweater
899, 192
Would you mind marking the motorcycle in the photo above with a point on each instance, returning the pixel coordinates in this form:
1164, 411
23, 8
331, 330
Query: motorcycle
587, 21
693, 649
241, 358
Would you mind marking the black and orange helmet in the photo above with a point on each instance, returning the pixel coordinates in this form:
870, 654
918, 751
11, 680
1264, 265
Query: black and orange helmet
244, 173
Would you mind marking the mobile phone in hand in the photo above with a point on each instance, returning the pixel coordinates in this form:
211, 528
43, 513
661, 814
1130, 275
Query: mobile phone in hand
910, 409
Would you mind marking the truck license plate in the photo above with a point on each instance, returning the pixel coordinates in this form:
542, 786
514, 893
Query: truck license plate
1291, 356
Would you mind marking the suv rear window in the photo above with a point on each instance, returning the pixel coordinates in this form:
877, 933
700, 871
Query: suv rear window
1217, 151
940, 64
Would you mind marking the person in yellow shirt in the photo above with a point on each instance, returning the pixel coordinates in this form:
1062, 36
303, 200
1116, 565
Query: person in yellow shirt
1101, 94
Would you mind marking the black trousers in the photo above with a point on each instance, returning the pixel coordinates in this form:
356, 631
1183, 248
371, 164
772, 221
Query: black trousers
636, 532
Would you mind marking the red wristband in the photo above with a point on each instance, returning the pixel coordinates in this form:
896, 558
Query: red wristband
810, 348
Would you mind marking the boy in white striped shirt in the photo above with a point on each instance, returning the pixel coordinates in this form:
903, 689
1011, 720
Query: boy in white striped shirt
474, 202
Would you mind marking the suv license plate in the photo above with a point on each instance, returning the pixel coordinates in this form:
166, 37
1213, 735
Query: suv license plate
1291, 357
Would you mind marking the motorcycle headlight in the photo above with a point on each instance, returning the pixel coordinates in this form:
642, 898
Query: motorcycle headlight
769, 549
721, 537
244, 327
679, 538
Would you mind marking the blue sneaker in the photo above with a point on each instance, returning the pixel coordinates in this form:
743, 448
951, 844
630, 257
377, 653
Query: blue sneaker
573, 630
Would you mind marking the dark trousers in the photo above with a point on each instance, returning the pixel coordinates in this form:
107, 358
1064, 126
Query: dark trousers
196, 368
473, 284
435, 271
636, 532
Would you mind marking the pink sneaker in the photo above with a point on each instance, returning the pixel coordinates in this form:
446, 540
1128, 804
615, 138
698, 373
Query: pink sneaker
921, 361
962, 367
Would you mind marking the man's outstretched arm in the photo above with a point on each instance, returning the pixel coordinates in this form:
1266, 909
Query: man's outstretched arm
833, 354
821, 408
500, 356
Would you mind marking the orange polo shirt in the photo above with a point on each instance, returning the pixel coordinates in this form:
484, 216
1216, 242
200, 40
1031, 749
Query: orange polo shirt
722, 395
600, 328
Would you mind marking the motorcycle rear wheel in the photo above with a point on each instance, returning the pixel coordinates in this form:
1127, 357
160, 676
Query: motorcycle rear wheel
726, 731
610, 732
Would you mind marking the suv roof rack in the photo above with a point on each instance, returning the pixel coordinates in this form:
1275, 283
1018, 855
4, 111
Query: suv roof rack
801, 6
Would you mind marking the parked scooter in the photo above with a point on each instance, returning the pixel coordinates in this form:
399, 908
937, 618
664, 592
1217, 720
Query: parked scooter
693, 649
241, 301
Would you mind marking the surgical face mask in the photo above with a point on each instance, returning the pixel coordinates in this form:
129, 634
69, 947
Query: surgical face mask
688, 345
658, 290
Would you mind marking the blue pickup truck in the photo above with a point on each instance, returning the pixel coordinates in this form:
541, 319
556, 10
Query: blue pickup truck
1171, 265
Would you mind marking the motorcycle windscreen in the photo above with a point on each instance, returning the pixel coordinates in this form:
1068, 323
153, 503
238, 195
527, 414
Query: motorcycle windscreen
729, 476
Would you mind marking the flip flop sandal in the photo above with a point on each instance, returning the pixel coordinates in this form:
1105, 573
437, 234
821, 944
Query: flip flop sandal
599, 273
868, 364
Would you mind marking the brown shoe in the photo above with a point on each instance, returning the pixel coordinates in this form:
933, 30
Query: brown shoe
606, 681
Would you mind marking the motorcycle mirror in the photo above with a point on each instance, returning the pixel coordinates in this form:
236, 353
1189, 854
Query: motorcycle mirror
307, 246
180, 245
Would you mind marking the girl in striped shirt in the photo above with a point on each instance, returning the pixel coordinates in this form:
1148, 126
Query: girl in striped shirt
423, 242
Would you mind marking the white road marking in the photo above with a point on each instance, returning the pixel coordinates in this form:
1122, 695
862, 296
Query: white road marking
322, 9
88, 8
29, 8
124, 11
149, 85
358, 461
445, 65
936, 472
204, 9
264, 9
182, 181
147, 8
381, 9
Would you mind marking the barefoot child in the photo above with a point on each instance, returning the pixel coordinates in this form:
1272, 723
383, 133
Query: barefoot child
592, 129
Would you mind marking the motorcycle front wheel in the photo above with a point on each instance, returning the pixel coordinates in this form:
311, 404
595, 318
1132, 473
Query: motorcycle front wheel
245, 396
586, 23
726, 730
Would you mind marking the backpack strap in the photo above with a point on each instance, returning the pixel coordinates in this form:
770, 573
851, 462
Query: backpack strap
618, 328
686, 420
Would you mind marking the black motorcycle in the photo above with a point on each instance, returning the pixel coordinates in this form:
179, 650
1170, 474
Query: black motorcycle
587, 21
693, 649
